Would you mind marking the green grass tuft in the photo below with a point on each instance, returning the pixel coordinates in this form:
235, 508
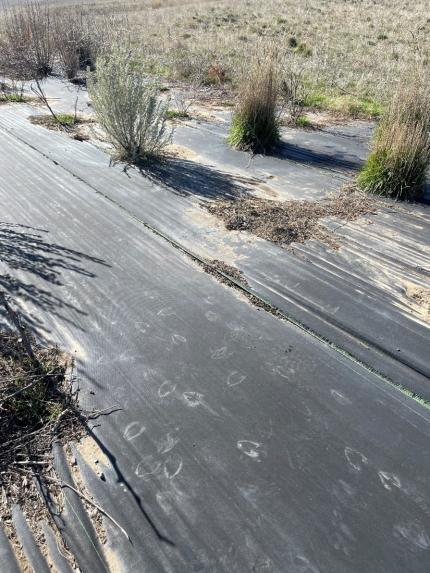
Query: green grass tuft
253, 133
303, 121
255, 125
15, 98
386, 173
316, 100
176, 114
66, 119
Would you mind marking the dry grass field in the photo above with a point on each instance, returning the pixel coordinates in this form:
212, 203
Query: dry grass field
350, 53
355, 50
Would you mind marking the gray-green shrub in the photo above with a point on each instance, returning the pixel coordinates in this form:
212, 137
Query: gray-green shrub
127, 106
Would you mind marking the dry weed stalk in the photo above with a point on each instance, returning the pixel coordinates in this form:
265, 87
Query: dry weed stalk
358, 49
76, 41
38, 405
293, 94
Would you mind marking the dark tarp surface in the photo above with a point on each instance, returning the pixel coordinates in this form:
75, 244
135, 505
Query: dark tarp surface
242, 443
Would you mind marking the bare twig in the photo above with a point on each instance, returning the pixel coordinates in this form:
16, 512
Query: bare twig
91, 502
94, 415
75, 115
32, 463
57, 422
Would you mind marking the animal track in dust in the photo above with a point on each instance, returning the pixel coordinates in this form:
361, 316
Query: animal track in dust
166, 388
193, 399
355, 459
173, 466
178, 339
133, 430
235, 378
167, 444
147, 467
249, 448
219, 353
389, 480
340, 398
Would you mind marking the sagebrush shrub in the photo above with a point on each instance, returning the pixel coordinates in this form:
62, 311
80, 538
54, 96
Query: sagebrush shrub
255, 124
400, 154
127, 106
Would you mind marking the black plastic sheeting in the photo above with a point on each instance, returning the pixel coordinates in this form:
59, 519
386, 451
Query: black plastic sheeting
306, 164
354, 297
7, 556
32, 551
242, 443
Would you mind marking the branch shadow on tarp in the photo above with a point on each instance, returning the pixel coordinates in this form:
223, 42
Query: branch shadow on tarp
32, 270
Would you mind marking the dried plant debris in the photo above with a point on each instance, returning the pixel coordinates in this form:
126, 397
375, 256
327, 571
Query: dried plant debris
39, 408
38, 405
286, 222
215, 267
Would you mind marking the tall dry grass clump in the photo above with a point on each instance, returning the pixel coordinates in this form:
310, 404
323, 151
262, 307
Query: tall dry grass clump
127, 106
26, 46
255, 125
401, 150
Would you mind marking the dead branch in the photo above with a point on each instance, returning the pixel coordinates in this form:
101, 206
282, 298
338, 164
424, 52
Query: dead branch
91, 502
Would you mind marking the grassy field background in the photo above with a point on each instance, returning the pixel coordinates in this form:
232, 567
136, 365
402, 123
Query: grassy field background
355, 49
351, 53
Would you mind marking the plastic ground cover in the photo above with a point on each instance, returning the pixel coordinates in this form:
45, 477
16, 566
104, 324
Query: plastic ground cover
243, 443
355, 297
